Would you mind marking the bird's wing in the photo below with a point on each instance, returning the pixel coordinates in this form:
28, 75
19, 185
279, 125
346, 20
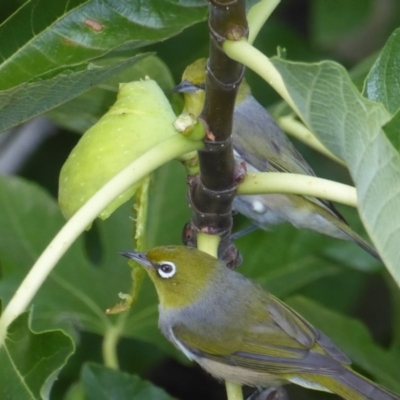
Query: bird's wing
295, 326
282, 342
258, 138
250, 352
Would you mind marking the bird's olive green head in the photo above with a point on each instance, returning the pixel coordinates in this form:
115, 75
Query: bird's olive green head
180, 274
195, 73
193, 87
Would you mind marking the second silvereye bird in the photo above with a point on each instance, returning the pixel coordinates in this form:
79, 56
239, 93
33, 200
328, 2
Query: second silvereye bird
240, 333
264, 147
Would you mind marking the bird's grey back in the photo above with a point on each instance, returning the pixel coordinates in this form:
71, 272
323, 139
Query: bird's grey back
266, 140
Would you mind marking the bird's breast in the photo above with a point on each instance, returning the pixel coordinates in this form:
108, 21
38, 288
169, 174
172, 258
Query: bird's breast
238, 375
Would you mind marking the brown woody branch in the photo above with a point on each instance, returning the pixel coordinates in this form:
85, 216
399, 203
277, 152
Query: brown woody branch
211, 194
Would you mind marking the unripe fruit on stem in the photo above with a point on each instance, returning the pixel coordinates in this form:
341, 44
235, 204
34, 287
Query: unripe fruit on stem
140, 118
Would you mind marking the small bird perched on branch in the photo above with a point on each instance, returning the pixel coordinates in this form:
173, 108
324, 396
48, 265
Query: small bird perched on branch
263, 146
240, 333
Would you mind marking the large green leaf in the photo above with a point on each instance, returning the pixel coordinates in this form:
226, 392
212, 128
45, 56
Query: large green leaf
30, 362
351, 127
354, 339
45, 37
101, 383
47, 48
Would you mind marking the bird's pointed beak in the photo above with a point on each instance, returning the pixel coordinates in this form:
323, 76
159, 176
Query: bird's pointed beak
141, 258
185, 87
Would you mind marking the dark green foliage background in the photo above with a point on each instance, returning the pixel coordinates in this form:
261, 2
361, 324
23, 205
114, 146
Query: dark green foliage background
49, 59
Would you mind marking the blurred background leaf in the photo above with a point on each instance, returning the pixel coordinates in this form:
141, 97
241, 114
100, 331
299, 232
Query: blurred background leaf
383, 83
102, 383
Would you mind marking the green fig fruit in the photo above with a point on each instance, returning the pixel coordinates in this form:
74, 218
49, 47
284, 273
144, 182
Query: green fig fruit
140, 118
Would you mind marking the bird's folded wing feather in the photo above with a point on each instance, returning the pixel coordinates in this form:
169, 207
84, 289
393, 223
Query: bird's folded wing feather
285, 343
258, 138
295, 325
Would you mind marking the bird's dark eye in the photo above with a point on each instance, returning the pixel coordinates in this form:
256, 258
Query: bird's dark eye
166, 269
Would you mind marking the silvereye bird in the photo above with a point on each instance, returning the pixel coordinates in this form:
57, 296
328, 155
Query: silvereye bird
239, 332
264, 147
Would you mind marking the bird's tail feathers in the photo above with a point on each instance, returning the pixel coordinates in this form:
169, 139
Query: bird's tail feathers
352, 386
360, 241
341, 229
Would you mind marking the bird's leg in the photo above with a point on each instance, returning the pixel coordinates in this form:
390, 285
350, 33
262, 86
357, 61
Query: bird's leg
244, 232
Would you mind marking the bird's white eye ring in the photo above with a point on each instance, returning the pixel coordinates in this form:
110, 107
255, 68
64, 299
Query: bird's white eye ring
166, 269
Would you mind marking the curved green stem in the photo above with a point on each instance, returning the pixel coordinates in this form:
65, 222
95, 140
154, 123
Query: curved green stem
166, 150
233, 391
109, 347
277, 182
257, 16
300, 132
111, 339
242, 51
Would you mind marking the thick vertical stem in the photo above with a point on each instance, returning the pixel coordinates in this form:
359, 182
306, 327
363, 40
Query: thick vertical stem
212, 194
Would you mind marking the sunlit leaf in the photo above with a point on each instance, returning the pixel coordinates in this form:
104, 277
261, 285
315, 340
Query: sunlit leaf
45, 37
351, 127
52, 52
